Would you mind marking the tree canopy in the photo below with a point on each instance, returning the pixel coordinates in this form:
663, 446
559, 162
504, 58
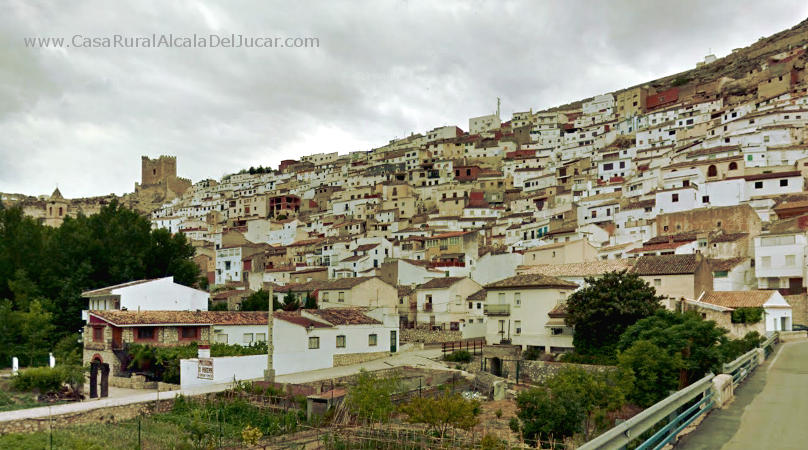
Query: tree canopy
44, 270
605, 308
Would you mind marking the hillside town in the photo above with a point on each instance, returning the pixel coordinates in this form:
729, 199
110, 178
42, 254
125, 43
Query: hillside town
472, 237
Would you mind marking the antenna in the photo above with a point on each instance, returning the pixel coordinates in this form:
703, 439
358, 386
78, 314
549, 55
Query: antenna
498, 103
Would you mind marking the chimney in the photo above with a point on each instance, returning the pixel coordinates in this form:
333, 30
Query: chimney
204, 351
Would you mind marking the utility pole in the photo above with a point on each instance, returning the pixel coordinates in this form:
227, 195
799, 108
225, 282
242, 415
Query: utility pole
269, 374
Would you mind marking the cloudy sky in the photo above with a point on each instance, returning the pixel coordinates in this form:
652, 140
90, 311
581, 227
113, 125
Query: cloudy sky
81, 118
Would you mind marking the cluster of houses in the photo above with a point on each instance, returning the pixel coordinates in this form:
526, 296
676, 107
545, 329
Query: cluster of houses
696, 187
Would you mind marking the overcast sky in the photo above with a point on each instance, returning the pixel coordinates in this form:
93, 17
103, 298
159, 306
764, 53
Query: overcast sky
81, 118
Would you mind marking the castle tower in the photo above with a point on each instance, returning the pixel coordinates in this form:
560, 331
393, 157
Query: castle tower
157, 171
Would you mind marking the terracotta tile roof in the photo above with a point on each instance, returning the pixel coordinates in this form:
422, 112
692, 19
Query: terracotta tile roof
654, 247
728, 237
584, 269
365, 247
679, 237
404, 291
531, 281
726, 264
440, 283
354, 258
340, 283
134, 318
230, 293
560, 310
108, 290
666, 264
450, 234
296, 318
768, 176
737, 299
477, 296
343, 316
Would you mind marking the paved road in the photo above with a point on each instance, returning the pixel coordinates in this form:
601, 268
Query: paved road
770, 410
419, 358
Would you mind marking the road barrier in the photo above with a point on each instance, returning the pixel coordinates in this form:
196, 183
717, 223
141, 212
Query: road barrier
680, 409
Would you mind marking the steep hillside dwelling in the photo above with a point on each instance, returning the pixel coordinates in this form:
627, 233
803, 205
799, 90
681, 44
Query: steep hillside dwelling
108, 332
442, 302
719, 306
517, 312
156, 294
676, 277
458, 248
733, 274
780, 261
576, 251
577, 272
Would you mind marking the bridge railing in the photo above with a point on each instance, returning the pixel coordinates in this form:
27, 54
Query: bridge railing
681, 408
669, 408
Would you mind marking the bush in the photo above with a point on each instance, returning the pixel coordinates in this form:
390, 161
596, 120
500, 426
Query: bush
45, 379
747, 315
462, 356
532, 354
163, 363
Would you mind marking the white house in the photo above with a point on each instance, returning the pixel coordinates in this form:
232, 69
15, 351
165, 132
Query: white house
780, 261
776, 310
158, 294
442, 301
518, 310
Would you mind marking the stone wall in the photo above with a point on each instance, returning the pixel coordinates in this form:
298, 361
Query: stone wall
109, 414
799, 308
357, 358
133, 382
541, 371
428, 336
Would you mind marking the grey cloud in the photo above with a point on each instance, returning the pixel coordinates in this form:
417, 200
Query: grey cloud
82, 117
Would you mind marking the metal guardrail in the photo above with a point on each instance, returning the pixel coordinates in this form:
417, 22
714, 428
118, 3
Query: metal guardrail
622, 434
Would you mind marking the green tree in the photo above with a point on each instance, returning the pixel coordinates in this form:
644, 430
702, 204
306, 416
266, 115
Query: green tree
370, 398
311, 301
259, 301
36, 328
605, 308
697, 341
449, 410
290, 302
598, 393
655, 372
543, 416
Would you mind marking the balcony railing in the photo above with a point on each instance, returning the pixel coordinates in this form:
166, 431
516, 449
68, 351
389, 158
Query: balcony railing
498, 310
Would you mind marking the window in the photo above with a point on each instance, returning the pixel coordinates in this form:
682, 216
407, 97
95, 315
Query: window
458, 300
324, 298
518, 325
260, 337
766, 261
145, 333
189, 332
314, 343
471, 305
501, 298
733, 166
517, 299
479, 305
556, 331
675, 198
341, 341
705, 199
98, 334
783, 182
341, 297
657, 282
790, 260
372, 340
247, 338
758, 185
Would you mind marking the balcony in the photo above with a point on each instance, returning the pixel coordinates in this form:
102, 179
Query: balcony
498, 310
428, 307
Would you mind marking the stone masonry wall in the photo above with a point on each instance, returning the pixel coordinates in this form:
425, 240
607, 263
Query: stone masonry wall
541, 371
428, 336
109, 414
356, 358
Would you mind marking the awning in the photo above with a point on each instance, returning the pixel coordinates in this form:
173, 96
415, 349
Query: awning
555, 322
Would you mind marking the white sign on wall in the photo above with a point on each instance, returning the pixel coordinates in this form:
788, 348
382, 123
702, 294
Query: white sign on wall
205, 369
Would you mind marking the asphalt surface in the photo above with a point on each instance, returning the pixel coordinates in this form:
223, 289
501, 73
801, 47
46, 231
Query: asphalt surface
770, 409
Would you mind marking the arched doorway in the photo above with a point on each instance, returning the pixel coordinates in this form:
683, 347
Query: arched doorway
712, 171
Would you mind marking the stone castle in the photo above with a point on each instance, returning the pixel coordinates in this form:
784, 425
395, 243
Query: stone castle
159, 181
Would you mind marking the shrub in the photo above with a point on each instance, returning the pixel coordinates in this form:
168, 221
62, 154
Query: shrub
491, 442
458, 356
532, 354
46, 379
747, 315
498, 413
251, 435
